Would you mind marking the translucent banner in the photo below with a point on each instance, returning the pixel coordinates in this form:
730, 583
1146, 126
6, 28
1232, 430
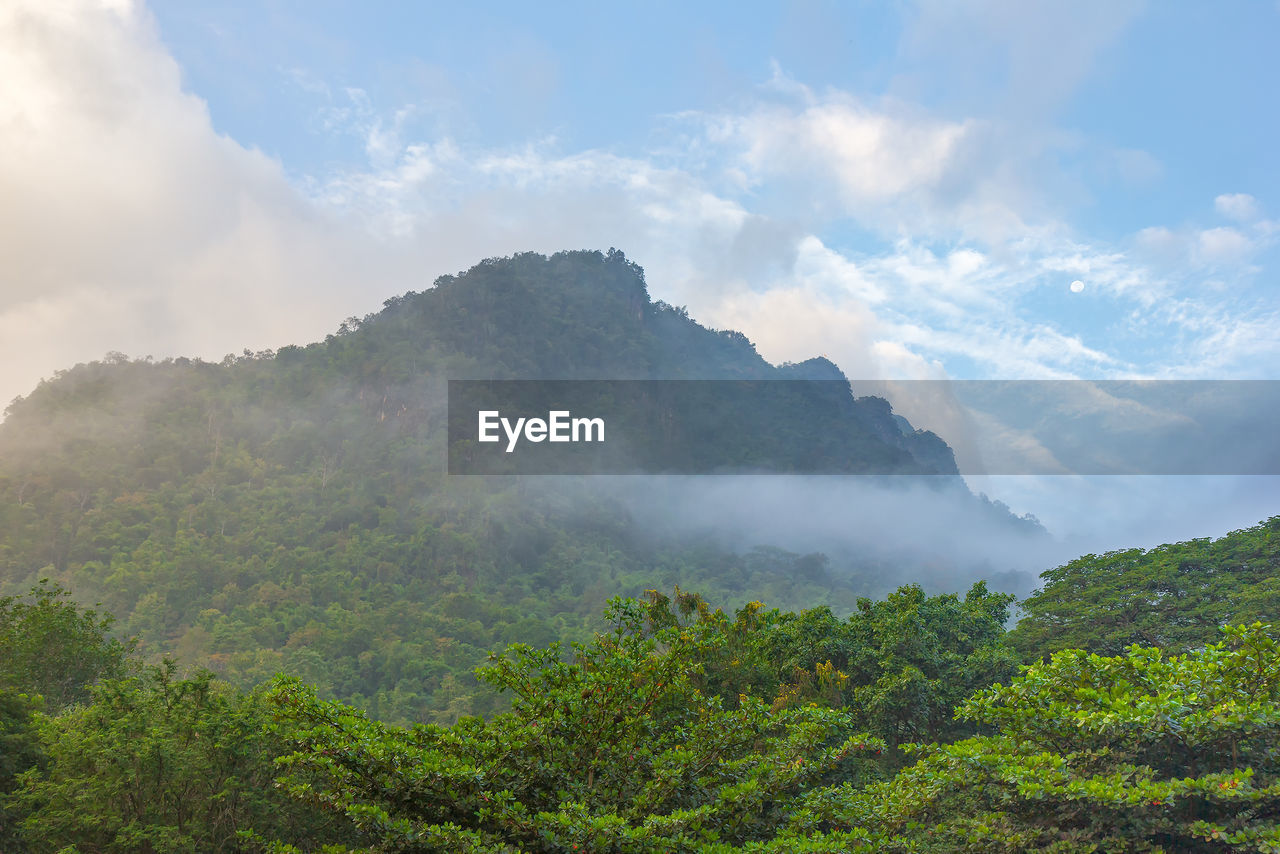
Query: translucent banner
863, 427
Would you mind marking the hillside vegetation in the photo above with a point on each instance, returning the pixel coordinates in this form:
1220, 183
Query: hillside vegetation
1176, 597
290, 510
679, 728
309, 638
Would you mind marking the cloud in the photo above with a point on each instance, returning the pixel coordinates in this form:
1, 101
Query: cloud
926, 292
1190, 246
797, 323
823, 304
1216, 245
892, 238
128, 223
897, 237
886, 165
1241, 207
738, 261
894, 168
1218, 342
872, 156
1093, 515
1158, 240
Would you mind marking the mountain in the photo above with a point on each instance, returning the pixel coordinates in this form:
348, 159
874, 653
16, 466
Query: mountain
291, 511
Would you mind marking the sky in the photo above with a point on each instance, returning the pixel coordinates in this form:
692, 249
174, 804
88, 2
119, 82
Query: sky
981, 190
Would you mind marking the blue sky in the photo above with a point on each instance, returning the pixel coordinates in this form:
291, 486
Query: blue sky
909, 188
970, 160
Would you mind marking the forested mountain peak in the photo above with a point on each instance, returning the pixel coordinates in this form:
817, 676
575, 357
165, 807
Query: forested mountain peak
571, 315
291, 510
289, 513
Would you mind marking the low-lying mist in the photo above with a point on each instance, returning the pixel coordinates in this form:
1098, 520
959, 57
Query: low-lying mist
888, 531
1100, 513
935, 531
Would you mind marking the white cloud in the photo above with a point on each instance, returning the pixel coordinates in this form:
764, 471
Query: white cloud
1202, 249
873, 157
1216, 245
127, 223
890, 167
824, 270
896, 169
130, 224
1241, 207
793, 324
1159, 241
1218, 342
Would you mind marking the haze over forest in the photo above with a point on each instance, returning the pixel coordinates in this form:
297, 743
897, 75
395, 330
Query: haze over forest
274, 471
1007, 271
911, 192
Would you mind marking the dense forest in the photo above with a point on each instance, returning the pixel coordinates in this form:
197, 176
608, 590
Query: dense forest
909, 725
290, 511
246, 610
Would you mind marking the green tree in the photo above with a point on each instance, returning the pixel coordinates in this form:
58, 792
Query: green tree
52, 647
158, 763
1173, 596
899, 666
291, 507
616, 750
1137, 752
19, 750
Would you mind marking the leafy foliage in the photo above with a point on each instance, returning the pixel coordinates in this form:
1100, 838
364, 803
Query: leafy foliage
51, 654
159, 763
19, 750
682, 728
616, 750
1136, 752
1176, 597
52, 647
899, 666
290, 511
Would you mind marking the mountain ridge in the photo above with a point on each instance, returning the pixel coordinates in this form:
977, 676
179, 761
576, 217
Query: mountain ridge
290, 510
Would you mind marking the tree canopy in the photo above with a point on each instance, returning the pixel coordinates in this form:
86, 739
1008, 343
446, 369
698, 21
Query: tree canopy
52, 647
1176, 597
